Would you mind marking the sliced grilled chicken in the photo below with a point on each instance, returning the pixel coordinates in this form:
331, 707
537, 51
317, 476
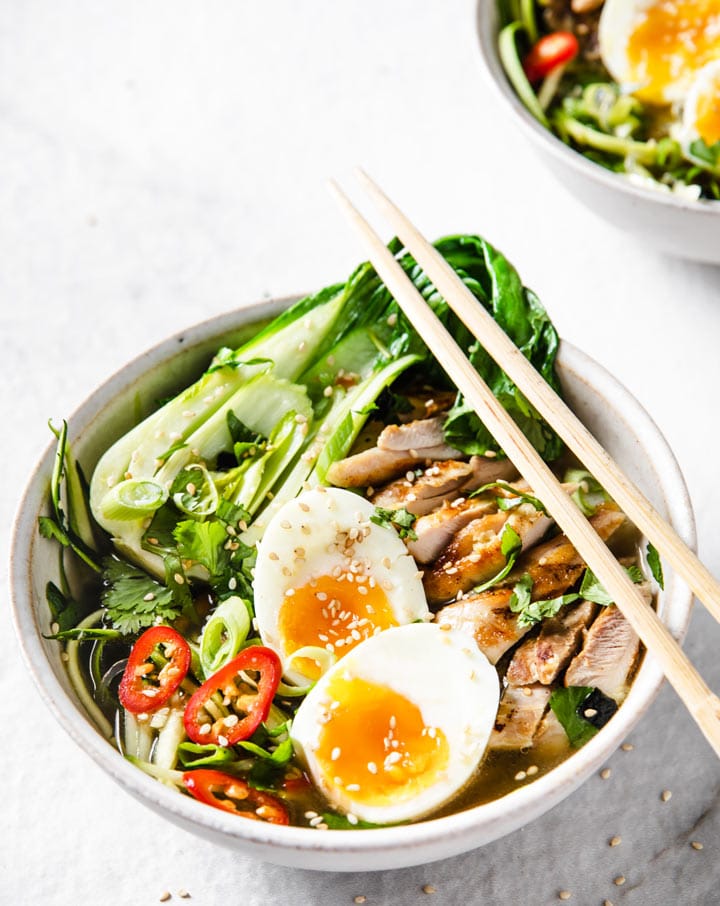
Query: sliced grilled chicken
608, 656
475, 553
555, 565
423, 432
487, 616
551, 740
375, 467
435, 530
542, 658
488, 619
424, 493
519, 715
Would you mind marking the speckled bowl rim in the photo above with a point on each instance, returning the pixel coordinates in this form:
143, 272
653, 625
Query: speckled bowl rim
447, 835
485, 34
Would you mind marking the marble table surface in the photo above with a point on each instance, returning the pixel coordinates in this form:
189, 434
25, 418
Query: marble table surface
164, 162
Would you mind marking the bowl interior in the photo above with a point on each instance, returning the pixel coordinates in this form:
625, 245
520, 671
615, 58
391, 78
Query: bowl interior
606, 407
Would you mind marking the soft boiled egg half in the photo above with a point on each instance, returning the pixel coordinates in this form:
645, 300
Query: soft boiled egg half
327, 578
653, 48
398, 726
701, 116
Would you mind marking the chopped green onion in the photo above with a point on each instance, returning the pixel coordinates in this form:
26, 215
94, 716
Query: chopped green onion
134, 498
224, 634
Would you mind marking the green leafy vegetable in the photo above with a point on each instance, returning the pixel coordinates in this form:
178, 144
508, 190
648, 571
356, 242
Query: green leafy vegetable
566, 705
653, 559
531, 612
515, 499
591, 589
510, 546
400, 520
133, 600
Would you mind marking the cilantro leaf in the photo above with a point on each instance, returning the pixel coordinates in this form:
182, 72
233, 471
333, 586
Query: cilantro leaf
566, 704
510, 545
591, 589
653, 559
133, 600
203, 543
401, 520
531, 612
516, 498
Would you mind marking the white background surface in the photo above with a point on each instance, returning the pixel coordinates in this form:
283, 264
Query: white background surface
163, 162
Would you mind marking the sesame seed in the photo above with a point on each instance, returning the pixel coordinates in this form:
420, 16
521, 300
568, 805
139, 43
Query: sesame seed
180, 580
605, 773
335, 754
232, 584
627, 747
521, 775
666, 795
303, 506
315, 821
55, 627
328, 391
696, 845
311, 814
532, 770
590, 712
359, 899
352, 787
619, 881
564, 895
372, 767
428, 888
164, 896
289, 592
352, 818
184, 894
191, 489
148, 597
615, 841
285, 524
607, 903
392, 320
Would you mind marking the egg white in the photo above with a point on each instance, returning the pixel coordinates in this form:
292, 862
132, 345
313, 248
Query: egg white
705, 86
300, 544
446, 676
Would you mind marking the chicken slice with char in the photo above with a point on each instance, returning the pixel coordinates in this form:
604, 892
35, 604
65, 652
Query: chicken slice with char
550, 740
415, 435
542, 658
374, 467
488, 619
608, 657
554, 567
475, 553
519, 715
435, 530
439, 483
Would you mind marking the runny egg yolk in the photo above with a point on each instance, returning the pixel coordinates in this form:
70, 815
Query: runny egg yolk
375, 744
333, 614
707, 117
675, 38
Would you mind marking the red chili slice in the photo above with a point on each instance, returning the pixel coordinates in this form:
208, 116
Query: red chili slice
145, 688
231, 794
249, 702
548, 53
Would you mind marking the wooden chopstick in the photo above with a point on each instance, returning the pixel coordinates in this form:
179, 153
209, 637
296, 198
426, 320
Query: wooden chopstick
696, 695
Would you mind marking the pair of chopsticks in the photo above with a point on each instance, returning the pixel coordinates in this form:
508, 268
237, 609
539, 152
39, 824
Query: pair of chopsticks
700, 701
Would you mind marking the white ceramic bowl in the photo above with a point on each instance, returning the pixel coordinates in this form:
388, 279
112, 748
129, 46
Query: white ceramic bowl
678, 226
605, 406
